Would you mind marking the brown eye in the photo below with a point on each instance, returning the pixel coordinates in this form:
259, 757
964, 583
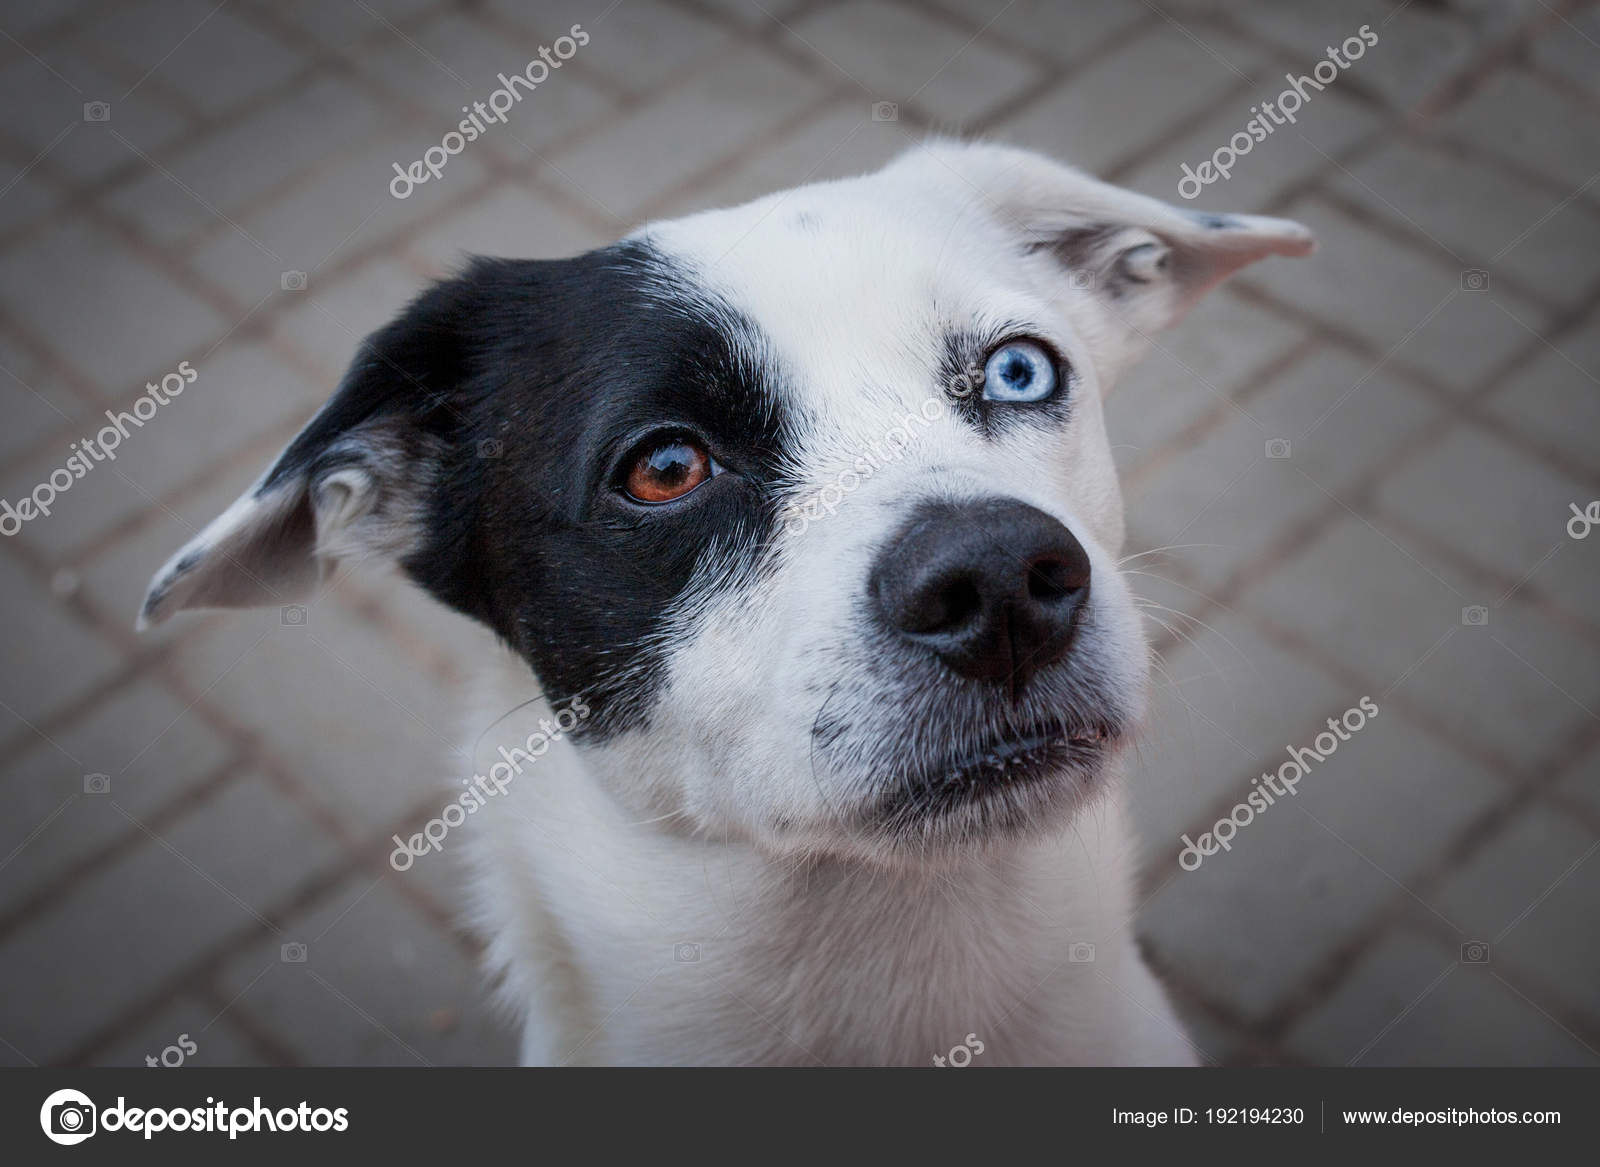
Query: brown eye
668, 471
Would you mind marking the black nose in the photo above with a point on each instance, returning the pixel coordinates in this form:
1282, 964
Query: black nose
989, 587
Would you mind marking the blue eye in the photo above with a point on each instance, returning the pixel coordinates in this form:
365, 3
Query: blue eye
1020, 371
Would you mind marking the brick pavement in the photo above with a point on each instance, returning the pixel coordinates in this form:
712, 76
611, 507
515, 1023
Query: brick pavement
1438, 425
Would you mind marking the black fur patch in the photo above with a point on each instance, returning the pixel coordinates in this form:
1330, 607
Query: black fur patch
526, 385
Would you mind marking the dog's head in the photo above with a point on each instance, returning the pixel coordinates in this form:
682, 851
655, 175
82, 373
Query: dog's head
810, 500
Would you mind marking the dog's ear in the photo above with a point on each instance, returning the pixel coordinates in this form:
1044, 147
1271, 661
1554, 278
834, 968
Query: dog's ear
357, 483
1145, 261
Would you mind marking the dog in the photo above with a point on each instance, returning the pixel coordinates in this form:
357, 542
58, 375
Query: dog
801, 518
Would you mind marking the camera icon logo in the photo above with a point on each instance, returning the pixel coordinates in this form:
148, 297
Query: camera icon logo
97, 783
293, 281
96, 111
1475, 952
1080, 953
686, 953
292, 615
1279, 447
1082, 279
68, 1117
491, 448
1475, 615
885, 111
293, 952
1474, 279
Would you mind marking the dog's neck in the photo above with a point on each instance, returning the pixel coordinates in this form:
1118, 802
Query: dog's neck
622, 943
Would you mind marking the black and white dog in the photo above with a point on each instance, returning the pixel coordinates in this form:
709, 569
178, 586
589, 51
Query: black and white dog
808, 506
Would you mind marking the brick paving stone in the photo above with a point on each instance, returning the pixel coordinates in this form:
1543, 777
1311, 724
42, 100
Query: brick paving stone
843, 140
1399, 299
1066, 33
511, 221
1225, 704
1395, 796
240, 391
50, 656
213, 57
37, 402
455, 60
1525, 894
1518, 683
146, 744
1291, 155
620, 169
28, 16
29, 197
355, 722
1343, 415
1582, 781
1177, 77
209, 1030
1503, 509
76, 279
895, 54
332, 216
1571, 48
379, 985
1191, 371
47, 104
1487, 218
347, 27
330, 319
1555, 397
227, 168
1417, 49
1224, 500
1522, 119
638, 46
1293, 893
221, 867
1386, 1014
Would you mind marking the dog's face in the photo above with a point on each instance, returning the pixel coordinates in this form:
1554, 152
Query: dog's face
810, 500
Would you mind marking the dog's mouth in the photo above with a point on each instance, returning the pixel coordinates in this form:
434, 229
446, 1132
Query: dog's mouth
1006, 780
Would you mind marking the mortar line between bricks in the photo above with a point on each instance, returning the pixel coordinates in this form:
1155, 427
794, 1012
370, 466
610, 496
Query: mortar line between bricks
766, 139
1406, 237
244, 744
1053, 67
182, 273
320, 64
1064, 76
1219, 413
237, 1016
203, 968
1567, 754
1318, 984
170, 811
1502, 55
